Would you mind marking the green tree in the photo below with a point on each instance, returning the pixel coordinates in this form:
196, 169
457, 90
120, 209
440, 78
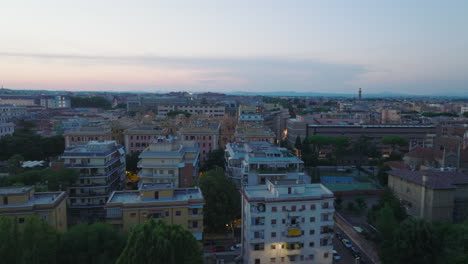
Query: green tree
93, 244
14, 164
222, 200
340, 145
175, 113
39, 242
363, 147
158, 242
131, 161
215, 159
298, 143
318, 141
465, 114
95, 102
10, 240
394, 141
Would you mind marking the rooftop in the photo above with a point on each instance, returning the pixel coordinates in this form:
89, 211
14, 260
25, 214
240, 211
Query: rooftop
434, 179
13, 190
278, 190
94, 148
375, 126
131, 197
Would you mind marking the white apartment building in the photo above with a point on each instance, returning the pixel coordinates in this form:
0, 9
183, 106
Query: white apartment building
102, 171
6, 128
169, 161
254, 162
287, 222
8, 112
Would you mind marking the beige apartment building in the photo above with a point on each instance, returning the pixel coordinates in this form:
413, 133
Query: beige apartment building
431, 194
20, 202
183, 206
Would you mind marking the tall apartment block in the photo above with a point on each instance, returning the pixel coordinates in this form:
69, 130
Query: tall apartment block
287, 221
253, 163
102, 171
170, 161
182, 206
207, 136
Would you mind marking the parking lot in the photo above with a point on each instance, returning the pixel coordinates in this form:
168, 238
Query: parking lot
345, 253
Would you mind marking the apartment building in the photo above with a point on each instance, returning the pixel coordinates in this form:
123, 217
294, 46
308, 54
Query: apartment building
183, 206
9, 112
287, 221
170, 161
435, 195
55, 102
254, 132
102, 171
253, 163
83, 135
139, 137
205, 134
390, 116
19, 202
6, 128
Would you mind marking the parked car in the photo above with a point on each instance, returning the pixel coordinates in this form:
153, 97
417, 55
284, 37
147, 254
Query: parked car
336, 256
355, 252
347, 243
339, 235
235, 247
218, 249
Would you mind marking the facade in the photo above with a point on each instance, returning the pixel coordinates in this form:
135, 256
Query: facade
341, 118
102, 171
183, 206
253, 163
19, 100
6, 128
390, 116
254, 132
169, 161
20, 202
206, 135
431, 194
287, 222
55, 102
83, 135
9, 112
417, 135
139, 137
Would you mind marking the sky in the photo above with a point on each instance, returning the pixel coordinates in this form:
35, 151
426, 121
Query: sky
411, 47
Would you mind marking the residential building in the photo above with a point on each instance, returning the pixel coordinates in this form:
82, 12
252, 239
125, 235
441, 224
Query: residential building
287, 221
9, 112
254, 132
19, 202
102, 171
169, 161
139, 137
182, 206
55, 102
6, 128
199, 109
436, 195
390, 116
83, 135
253, 163
206, 135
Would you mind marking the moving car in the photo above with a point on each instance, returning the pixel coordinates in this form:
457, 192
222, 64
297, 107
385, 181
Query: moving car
218, 249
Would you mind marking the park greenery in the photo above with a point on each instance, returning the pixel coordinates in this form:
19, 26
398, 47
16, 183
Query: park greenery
394, 141
223, 202
94, 102
465, 114
29, 145
402, 239
45, 179
215, 159
131, 161
36, 242
178, 112
157, 242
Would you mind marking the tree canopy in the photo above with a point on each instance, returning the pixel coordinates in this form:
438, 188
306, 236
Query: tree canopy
157, 242
178, 112
131, 161
394, 141
215, 159
95, 102
54, 180
222, 200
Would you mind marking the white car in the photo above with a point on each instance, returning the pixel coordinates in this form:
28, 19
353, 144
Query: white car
347, 243
235, 247
336, 256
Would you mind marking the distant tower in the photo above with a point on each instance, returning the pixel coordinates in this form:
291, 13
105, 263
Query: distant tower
360, 94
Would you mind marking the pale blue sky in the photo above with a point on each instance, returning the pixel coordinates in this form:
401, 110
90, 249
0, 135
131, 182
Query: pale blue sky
415, 47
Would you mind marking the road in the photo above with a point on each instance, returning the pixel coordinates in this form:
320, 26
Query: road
345, 253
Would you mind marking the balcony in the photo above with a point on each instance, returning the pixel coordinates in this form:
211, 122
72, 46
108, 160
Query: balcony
294, 232
157, 176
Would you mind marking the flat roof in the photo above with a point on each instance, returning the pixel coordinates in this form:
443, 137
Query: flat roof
310, 191
14, 190
131, 197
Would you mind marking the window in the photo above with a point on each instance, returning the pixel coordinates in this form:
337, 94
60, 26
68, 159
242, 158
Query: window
273, 260
312, 232
311, 257
156, 195
311, 244
289, 190
177, 213
293, 208
273, 221
312, 207
325, 255
282, 259
258, 247
324, 217
5, 200
312, 219
21, 220
194, 211
167, 213
303, 207
273, 209
132, 215
257, 261
284, 208
325, 205
195, 224
273, 234
273, 246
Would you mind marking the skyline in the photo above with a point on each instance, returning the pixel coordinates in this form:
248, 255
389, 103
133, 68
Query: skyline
335, 47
